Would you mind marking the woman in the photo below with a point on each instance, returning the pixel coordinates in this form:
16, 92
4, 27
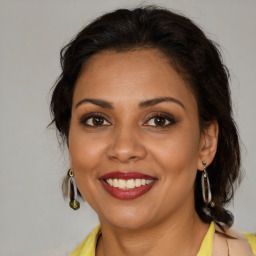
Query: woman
143, 102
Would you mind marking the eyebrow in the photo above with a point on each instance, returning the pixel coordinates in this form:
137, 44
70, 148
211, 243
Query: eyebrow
144, 104
101, 103
155, 101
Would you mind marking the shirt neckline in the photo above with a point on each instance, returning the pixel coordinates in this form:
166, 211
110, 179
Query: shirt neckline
205, 248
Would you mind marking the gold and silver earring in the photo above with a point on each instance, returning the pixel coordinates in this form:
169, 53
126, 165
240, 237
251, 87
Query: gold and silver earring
72, 191
206, 187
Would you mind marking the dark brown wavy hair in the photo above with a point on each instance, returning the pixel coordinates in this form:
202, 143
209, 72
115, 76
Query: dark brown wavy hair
195, 57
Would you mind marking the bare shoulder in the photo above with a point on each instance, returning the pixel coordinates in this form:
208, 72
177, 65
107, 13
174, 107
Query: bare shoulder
238, 245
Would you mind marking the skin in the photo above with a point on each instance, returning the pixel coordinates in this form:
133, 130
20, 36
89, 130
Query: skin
233, 247
163, 221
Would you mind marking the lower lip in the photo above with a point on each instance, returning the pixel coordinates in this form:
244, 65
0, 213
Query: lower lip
127, 194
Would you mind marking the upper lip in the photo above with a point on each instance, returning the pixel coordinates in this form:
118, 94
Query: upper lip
126, 176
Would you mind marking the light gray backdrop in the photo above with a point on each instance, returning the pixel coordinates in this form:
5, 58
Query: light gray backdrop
34, 218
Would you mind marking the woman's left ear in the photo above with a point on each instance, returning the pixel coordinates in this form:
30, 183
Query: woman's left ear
208, 144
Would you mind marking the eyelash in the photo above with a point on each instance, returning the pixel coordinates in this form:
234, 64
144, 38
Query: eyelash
87, 117
165, 116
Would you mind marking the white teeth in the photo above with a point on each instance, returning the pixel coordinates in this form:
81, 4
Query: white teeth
122, 183
115, 183
128, 184
137, 183
110, 182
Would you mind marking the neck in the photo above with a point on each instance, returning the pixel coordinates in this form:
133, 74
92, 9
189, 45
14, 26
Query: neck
180, 234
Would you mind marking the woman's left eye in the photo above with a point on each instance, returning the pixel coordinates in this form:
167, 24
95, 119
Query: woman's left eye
160, 121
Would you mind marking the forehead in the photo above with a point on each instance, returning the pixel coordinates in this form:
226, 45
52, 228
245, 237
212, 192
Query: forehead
135, 74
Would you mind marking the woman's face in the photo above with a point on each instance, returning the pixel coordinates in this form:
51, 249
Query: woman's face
134, 139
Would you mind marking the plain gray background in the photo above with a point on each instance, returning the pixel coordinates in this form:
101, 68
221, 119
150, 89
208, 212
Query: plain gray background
34, 218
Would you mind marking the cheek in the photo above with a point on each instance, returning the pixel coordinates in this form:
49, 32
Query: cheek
180, 148
177, 157
84, 149
85, 153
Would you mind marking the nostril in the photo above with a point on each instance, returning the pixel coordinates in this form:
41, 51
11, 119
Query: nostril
123, 158
126, 155
126, 146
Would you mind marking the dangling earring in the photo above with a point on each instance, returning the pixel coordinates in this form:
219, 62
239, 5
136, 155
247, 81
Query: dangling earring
206, 188
72, 191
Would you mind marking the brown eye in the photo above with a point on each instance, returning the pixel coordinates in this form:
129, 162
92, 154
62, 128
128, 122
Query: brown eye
159, 121
97, 121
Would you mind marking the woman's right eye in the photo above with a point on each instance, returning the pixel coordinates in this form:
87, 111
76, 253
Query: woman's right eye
95, 121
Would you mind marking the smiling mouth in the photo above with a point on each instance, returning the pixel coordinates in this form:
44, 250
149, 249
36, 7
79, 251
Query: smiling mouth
127, 185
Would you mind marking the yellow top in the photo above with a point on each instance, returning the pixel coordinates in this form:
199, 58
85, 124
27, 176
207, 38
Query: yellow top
252, 241
87, 247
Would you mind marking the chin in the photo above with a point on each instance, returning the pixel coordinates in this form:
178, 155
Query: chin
127, 218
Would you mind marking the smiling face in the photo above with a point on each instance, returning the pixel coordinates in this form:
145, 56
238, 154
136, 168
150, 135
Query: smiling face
134, 118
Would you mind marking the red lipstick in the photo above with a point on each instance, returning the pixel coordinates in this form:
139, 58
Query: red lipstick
127, 194
126, 176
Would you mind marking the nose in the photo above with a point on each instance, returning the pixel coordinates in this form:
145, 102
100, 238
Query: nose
126, 146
